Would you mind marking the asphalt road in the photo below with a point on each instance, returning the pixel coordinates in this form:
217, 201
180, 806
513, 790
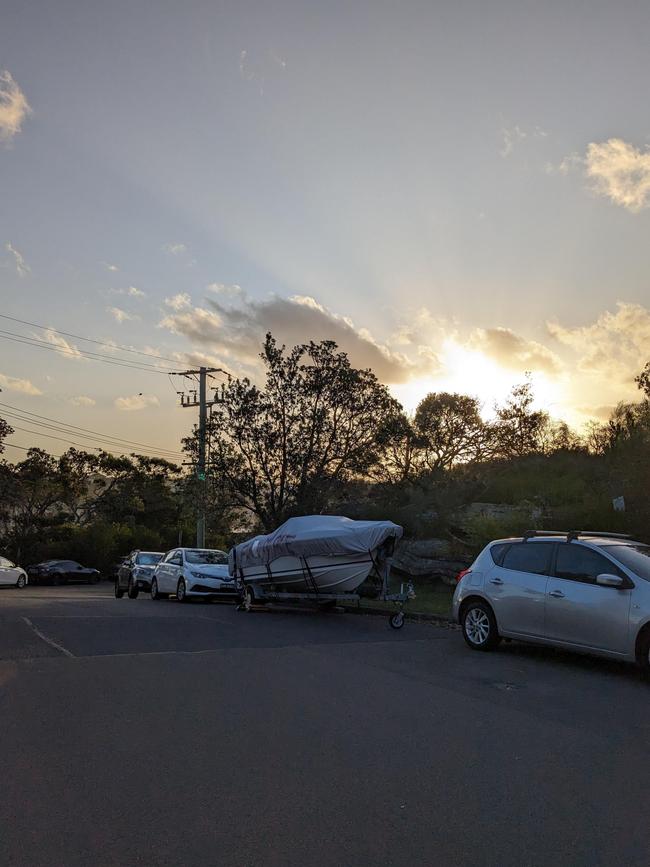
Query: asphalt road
142, 733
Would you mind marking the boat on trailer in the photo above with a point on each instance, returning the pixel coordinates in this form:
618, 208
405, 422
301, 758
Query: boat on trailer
318, 558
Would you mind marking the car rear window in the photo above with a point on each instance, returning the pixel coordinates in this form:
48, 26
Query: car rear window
534, 557
635, 557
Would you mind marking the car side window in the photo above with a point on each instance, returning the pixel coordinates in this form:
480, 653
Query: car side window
498, 552
7, 564
531, 557
577, 563
175, 559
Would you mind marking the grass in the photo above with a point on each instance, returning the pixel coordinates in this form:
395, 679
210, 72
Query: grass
430, 598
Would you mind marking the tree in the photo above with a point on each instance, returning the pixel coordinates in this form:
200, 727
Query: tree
288, 447
518, 427
451, 430
643, 380
5, 431
401, 448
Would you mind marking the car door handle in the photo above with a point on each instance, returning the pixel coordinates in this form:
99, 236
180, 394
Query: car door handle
556, 594
496, 581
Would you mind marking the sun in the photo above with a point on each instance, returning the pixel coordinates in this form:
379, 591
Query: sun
471, 372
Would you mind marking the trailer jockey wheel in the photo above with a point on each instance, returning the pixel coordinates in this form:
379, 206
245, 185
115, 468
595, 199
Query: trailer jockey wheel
249, 599
397, 620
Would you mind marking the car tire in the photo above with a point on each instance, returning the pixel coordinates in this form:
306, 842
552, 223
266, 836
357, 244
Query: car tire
118, 590
643, 654
132, 589
155, 595
181, 591
479, 626
20, 583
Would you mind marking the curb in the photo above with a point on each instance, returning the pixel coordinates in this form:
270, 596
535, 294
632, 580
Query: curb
412, 616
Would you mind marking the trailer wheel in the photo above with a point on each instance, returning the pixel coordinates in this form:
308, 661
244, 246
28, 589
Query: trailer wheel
397, 620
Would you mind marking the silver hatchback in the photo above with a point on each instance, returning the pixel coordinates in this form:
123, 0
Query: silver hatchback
588, 592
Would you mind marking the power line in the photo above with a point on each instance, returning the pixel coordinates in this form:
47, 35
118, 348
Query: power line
65, 427
72, 443
76, 353
88, 339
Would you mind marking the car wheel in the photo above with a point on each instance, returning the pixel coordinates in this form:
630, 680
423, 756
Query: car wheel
479, 626
155, 595
133, 589
643, 654
181, 591
118, 590
20, 583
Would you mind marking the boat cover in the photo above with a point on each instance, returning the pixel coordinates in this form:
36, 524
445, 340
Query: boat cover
314, 535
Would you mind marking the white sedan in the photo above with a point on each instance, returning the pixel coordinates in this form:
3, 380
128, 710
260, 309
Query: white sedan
191, 573
11, 575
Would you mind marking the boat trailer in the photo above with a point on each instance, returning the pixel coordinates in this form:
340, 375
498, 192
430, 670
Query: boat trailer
251, 595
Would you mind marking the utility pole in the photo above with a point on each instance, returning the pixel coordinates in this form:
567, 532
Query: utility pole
190, 400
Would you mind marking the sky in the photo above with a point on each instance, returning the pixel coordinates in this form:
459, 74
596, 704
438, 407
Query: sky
456, 192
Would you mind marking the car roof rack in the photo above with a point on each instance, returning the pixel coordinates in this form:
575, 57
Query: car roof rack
572, 535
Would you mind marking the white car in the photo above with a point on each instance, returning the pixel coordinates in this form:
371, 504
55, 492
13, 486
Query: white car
191, 573
12, 575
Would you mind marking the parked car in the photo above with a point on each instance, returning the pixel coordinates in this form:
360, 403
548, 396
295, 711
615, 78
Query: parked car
136, 572
191, 573
62, 572
587, 592
12, 575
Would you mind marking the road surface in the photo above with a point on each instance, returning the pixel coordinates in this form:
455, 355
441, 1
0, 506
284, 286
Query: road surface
142, 733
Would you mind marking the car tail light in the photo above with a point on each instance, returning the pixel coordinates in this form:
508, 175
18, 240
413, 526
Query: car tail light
462, 574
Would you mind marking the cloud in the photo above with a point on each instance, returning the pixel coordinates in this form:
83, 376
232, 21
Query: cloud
22, 267
620, 172
225, 289
24, 386
110, 267
82, 400
175, 249
121, 315
512, 351
65, 348
14, 107
237, 331
614, 348
136, 402
510, 136
131, 291
181, 301
566, 165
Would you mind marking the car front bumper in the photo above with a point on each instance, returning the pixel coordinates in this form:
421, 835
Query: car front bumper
210, 588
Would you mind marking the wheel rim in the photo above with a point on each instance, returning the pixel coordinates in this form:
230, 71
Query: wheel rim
477, 626
180, 593
21, 581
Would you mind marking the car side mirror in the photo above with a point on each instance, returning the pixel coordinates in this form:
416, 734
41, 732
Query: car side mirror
606, 580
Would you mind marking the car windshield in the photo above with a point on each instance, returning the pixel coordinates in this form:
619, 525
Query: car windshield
635, 557
196, 556
147, 558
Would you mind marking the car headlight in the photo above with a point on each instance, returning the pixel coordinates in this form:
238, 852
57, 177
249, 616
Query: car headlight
202, 575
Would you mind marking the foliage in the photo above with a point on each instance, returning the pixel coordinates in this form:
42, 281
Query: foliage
518, 428
451, 430
289, 447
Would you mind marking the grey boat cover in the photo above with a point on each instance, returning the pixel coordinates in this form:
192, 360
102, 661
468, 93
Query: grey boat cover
313, 535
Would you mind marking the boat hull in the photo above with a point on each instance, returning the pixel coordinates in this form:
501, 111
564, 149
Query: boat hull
323, 574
